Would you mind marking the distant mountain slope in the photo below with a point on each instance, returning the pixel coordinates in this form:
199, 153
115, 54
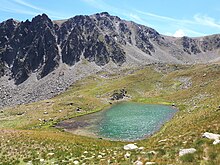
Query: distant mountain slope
41, 46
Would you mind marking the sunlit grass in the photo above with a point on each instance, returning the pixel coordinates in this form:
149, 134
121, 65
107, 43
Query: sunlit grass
27, 132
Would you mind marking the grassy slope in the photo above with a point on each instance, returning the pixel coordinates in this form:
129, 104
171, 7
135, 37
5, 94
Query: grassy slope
194, 89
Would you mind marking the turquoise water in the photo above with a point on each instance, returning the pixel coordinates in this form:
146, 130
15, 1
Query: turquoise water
124, 121
132, 121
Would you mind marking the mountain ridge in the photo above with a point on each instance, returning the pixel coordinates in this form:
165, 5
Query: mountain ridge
45, 50
41, 43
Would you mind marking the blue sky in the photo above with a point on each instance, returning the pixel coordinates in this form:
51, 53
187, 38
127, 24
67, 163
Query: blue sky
170, 17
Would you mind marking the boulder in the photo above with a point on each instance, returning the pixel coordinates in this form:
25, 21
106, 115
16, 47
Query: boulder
75, 162
78, 109
127, 155
141, 148
99, 156
211, 136
20, 113
216, 142
138, 162
50, 154
149, 163
29, 163
130, 147
164, 140
152, 152
186, 151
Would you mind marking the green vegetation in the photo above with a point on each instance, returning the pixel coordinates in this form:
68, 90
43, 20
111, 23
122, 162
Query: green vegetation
27, 132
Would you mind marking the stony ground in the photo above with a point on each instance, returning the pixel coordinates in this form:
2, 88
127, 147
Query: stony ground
34, 90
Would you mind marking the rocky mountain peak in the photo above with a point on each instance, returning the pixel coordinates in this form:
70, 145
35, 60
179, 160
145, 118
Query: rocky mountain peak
41, 17
6, 30
10, 23
41, 22
105, 14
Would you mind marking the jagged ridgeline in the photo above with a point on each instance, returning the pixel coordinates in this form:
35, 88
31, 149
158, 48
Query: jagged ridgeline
41, 45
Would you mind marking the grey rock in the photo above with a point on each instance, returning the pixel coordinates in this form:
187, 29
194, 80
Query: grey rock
186, 151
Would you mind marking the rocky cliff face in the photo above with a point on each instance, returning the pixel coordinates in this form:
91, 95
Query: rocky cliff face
28, 47
40, 45
85, 36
